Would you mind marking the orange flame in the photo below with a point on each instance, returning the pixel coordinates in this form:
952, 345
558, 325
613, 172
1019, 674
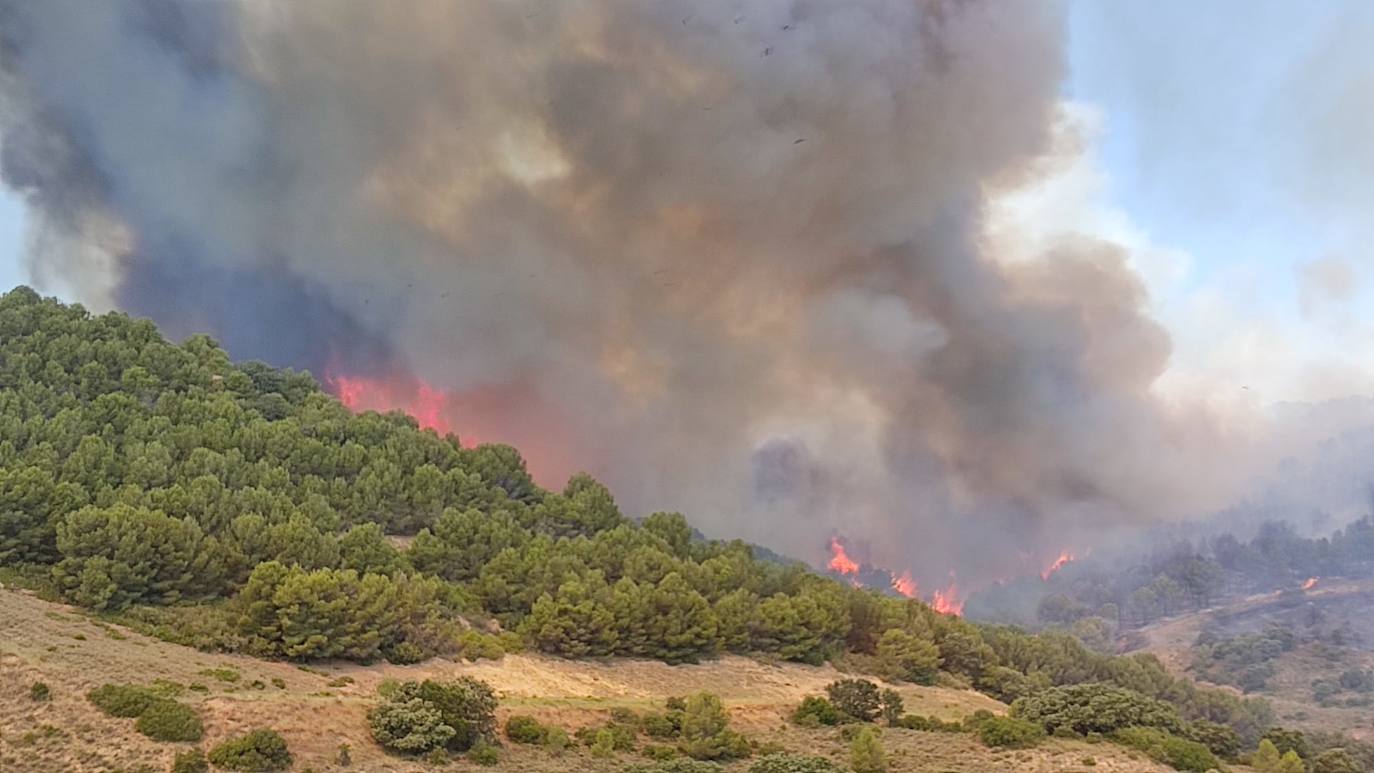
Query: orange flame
1310, 583
905, 585
946, 603
839, 560
427, 405
1064, 558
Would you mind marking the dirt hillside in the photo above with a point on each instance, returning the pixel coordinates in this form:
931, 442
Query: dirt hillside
320, 708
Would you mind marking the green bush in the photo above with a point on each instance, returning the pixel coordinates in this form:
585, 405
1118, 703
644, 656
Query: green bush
705, 732
123, 700
676, 765
192, 761
1009, 732
933, 724
1286, 740
788, 763
419, 716
856, 698
866, 752
524, 729
259, 751
815, 710
603, 743
891, 706
409, 726
1222, 740
1161, 746
660, 753
621, 736
170, 721
484, 754
662, 725
555, 740
1335, 761
39, 691
225, 674
1096, 707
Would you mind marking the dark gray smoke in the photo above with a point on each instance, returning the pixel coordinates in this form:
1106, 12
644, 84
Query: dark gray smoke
727, 255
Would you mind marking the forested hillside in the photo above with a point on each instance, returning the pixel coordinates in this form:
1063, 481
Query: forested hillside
238, 507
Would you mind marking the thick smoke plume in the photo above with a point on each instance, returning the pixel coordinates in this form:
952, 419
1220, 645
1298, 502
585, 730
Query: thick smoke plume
728, 256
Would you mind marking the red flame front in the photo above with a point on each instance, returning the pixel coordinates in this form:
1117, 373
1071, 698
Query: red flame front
947, 601
1064, 558
426, 404
905, 585
839, 560
1310, 583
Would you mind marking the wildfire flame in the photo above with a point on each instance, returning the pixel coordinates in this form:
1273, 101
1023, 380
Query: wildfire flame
905, 585
840, 560
947, 601
1065, 557
426, 404
1310, 583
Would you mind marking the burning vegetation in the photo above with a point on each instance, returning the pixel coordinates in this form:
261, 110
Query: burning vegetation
702, 259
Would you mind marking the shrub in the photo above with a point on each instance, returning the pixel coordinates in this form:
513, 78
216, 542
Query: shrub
258, 751
866, 752
410, 726
815, 710
787, 763
405, 653
891, 706
279, 683
170, 721
1335, 761
902, 655
192, 761
1096, 707
676, 765
438, 756
603, 743
856, 698
660, 753
1009, 732
224, 674
1008, 684
622, 736
484, 754
123, 700
1286, 740
524, 729
345, 756
555, 740
662, 725
1222, 740
39, 692
705, 735
1161, 746
625, 716
918, 722
419, 716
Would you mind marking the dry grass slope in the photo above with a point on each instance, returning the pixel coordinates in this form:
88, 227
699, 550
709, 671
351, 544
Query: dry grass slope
316, 710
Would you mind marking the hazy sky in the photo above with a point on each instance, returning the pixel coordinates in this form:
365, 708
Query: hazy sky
1229, 146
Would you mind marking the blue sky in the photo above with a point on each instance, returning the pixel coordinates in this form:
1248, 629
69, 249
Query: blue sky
1231, 140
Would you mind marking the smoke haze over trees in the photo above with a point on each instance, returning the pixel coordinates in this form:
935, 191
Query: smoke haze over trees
730, 258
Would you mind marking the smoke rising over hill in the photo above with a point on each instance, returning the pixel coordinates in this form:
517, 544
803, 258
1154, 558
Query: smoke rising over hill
727, 256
